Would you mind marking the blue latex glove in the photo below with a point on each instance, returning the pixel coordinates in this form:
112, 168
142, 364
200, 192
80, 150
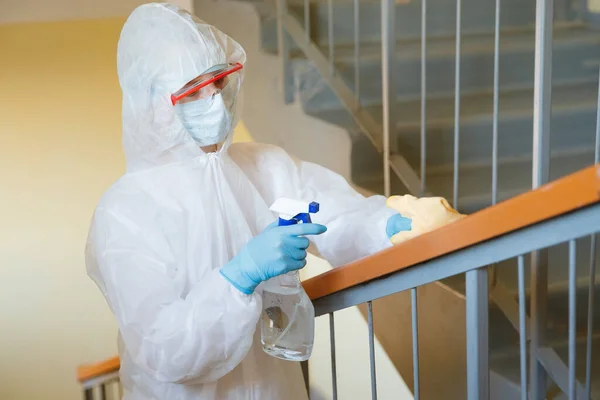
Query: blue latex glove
397, 223
275, 251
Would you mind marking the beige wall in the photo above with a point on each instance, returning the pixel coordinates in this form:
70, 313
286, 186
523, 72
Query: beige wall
60, 141
12, 11
60, 149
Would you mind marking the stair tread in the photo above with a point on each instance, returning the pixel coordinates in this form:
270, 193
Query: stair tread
514, 177
477, 106
517, 102
561, 164
509, 367
510, 40
559, 157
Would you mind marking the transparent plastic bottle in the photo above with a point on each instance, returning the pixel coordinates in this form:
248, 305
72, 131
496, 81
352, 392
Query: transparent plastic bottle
288, 319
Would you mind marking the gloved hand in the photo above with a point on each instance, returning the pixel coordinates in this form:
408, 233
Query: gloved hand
275, 251
397, 223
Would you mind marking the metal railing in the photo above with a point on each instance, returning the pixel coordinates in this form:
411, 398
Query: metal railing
100, 381
104, 388
469, 246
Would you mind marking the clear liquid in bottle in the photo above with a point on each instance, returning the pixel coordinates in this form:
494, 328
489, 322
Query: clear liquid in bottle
288, 319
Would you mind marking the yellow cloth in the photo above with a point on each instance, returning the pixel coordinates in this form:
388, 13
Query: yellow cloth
426, 213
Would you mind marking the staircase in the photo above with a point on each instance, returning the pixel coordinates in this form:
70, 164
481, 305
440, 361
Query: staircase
576, 60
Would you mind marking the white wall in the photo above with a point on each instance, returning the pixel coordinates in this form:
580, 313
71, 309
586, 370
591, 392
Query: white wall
15, 11
60, 144
265, 115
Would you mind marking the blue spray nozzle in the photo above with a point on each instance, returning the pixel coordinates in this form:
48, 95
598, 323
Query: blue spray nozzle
292, 212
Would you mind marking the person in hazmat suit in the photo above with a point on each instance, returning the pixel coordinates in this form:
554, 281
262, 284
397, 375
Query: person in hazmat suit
180, 243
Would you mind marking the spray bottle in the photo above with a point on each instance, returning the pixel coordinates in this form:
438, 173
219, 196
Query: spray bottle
288, 318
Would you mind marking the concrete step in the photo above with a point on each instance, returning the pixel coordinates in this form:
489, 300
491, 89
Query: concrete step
574, 110
557, 286
476, 17
508, 365
504, 338
514, 177
442, 343
575, 46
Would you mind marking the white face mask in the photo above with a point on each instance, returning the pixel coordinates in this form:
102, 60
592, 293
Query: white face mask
207, 120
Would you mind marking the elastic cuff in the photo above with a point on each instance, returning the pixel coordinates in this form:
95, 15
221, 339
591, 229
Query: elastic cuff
235, 285
233, 273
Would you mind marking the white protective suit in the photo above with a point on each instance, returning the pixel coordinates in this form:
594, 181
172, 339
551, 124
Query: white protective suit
161, 233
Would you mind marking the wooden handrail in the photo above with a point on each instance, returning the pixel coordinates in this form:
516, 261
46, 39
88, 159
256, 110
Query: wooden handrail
91, 371
560, 197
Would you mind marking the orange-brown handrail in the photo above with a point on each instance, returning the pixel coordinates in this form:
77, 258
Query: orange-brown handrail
560, 197
557, 198
91, 371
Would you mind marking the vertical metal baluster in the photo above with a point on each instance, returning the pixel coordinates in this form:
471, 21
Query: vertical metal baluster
538, 309
118, 393
356, 53
493, 268
597, 146
113, 389
284, 53
496, 110
541, 163
102, 392
372, 352
572, 321
307, 20
333, 365
522, 328
590, 318
477, 334
388, 48
592, 276
330, 35
423, 96
457, 103
415, 335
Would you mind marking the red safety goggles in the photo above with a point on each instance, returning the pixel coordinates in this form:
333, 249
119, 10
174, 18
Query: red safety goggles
208, 83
